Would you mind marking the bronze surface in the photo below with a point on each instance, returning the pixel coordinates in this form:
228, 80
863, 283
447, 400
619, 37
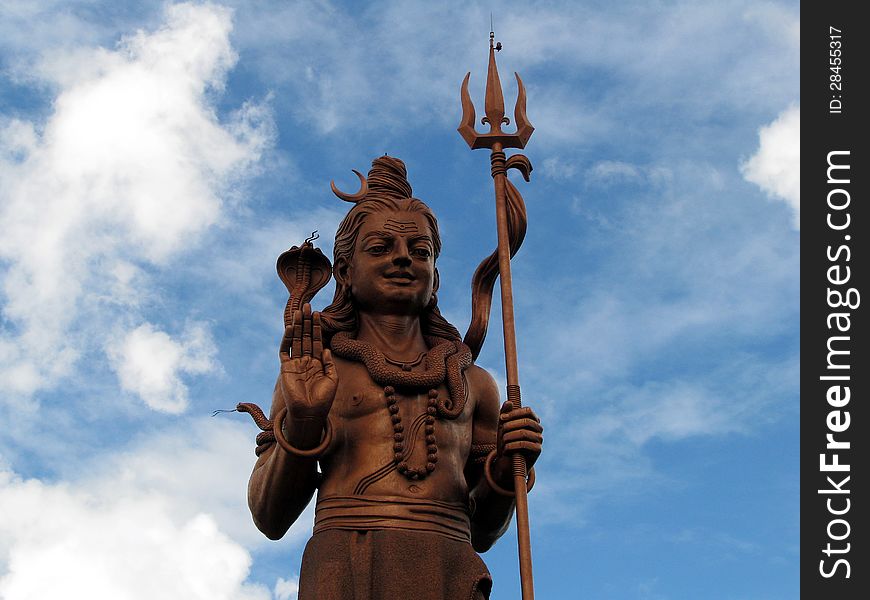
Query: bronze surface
379, 408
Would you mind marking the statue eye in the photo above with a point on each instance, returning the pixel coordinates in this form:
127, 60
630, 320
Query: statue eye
421, 252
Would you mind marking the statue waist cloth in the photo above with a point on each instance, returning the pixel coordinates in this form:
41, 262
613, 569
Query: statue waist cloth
364, 513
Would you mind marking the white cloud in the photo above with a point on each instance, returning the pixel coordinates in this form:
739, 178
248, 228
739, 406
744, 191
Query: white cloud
775, 167
778, 22
127, 171
673, 411
659, 338
286, 589
377, 68
66, 541
558, 169
164, 518
150, 363
606, 173
607, 170
200, 467
600, 446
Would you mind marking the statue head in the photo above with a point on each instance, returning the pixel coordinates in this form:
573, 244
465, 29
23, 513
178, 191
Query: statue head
386, 193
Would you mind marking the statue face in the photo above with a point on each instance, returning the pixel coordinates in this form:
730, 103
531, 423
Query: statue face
393, 266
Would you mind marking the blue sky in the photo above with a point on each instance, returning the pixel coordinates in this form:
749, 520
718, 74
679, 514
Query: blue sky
155, 160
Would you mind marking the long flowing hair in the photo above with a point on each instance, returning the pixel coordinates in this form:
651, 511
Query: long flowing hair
341, 315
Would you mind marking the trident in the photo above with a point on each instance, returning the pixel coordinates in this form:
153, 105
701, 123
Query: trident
497, 140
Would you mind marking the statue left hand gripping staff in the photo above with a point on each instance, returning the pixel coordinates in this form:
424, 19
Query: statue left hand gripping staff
414, 450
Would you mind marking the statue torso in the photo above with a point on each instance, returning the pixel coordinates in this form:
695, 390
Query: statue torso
360, 460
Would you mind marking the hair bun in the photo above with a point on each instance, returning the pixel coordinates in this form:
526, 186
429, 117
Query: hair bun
388, 178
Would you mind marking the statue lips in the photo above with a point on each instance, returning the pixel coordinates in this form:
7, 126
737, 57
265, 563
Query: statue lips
401, 278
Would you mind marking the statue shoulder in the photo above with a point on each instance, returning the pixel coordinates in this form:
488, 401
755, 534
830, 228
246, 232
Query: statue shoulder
482, 386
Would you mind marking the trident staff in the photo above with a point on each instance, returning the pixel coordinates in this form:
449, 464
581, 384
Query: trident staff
510, 236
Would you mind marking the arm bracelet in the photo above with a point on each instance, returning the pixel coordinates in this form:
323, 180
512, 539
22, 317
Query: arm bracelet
316, 452
530, 482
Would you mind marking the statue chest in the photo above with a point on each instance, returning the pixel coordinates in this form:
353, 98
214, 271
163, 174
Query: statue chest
383, 435
363, 409
358, 397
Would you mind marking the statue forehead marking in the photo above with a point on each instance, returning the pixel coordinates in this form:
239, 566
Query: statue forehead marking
400, 226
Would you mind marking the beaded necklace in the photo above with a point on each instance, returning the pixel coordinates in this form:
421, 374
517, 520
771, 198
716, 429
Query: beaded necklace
445, 361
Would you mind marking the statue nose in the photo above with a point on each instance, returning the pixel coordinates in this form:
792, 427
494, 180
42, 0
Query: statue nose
401, 258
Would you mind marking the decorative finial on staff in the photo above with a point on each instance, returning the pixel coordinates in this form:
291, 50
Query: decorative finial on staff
492, 36
510, 221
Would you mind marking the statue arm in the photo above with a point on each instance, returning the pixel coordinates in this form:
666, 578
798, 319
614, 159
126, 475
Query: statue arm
492, 512
282, 484
510, 431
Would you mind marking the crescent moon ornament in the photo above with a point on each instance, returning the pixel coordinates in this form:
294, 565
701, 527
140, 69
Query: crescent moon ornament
355, 198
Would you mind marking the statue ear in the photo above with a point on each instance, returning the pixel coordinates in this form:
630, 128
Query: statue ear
437, 282
341, 271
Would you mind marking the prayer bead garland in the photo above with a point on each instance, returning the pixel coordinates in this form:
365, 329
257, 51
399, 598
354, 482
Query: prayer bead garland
399, 435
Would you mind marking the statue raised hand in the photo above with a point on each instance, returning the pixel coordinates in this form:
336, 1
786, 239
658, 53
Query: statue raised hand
308, 379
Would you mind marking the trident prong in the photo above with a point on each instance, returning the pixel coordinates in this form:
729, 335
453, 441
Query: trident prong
494, 106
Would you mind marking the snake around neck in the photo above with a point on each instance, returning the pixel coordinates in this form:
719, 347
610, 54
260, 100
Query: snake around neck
444, 362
